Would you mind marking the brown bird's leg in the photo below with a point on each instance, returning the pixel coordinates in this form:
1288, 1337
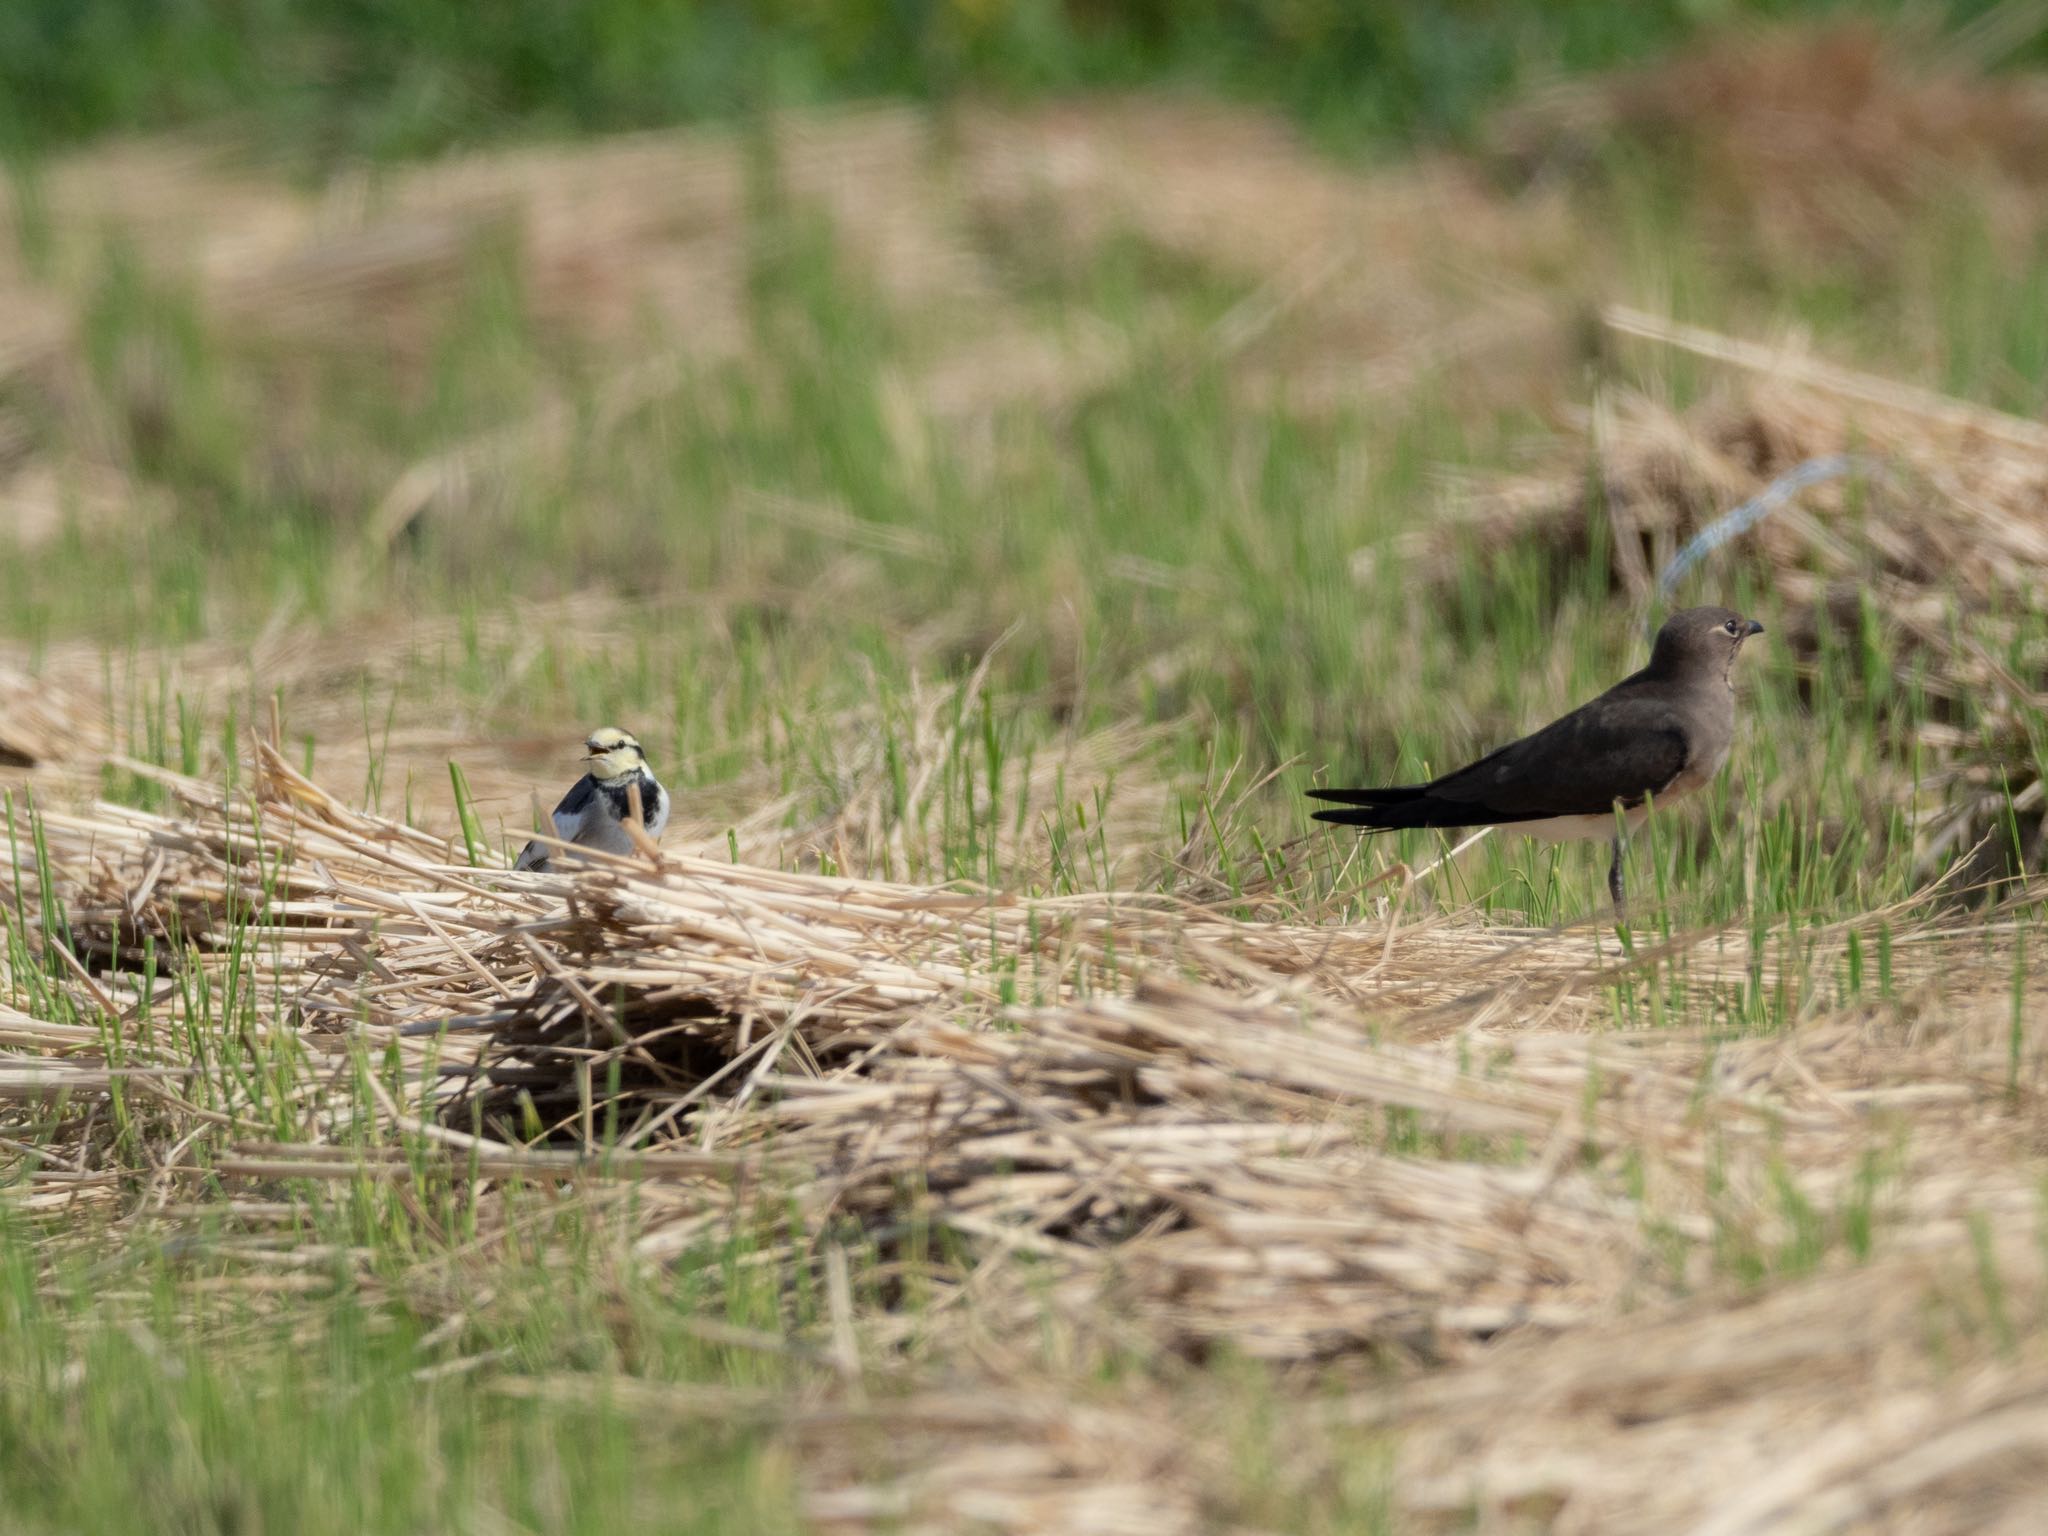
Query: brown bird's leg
1614, 880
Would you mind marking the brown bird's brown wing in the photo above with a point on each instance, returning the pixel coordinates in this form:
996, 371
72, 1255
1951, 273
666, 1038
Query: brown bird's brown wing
1619, 748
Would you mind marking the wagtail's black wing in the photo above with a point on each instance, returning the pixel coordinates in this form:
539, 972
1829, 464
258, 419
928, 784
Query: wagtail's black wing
570, 811
568, 820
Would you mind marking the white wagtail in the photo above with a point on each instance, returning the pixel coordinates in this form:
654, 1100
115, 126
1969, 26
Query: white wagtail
595, 811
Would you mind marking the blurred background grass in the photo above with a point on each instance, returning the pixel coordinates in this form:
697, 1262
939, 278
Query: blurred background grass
319, 80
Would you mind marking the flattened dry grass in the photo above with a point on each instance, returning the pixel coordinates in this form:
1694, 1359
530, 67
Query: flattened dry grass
1129, 1124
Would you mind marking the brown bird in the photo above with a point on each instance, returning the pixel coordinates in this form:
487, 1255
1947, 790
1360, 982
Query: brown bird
1657, 734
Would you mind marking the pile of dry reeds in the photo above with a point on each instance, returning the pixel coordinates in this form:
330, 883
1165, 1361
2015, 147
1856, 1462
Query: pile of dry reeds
1949, 501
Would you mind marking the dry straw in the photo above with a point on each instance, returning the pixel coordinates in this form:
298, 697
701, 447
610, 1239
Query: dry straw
1138, 1123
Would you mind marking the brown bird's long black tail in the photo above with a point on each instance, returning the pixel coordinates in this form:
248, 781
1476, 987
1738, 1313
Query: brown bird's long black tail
1409, 805
1386, 810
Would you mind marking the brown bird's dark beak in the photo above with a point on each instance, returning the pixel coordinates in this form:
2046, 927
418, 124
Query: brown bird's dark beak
1751, 627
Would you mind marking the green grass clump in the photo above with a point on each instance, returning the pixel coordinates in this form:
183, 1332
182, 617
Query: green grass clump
170, 1389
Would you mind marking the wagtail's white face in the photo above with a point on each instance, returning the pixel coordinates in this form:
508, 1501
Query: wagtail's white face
612, 754
595, 811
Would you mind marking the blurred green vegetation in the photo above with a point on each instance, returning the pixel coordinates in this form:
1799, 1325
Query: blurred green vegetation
318, 80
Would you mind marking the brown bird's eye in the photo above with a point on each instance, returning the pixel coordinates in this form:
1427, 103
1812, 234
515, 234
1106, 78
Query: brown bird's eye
1729, 627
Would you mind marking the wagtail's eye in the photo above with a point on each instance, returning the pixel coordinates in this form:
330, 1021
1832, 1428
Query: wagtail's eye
1731, 627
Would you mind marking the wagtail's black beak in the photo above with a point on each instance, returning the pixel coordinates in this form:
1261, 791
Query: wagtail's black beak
1751, 627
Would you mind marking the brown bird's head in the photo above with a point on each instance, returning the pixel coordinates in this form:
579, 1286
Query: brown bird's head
1700, 642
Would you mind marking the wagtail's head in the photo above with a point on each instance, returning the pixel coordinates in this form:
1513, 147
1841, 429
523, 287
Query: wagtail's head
1701, 642
612, 754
